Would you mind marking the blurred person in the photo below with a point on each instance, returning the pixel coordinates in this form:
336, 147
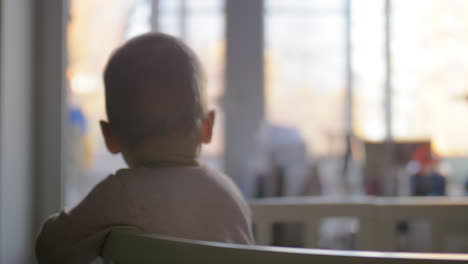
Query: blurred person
281, 165
157, 119
426, 179
437, 182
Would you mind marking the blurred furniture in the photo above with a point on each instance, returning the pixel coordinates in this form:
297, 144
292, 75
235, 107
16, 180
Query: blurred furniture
126, 248
378, 217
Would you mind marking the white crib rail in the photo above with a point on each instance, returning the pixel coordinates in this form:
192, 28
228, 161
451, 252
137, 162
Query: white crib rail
377, 217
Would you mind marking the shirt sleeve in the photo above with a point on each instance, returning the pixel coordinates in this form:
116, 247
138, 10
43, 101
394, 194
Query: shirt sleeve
245, 234
77, 235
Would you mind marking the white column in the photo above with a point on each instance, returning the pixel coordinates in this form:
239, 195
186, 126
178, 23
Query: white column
244, 96
16, 79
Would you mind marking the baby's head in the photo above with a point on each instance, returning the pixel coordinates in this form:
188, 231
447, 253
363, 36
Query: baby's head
155, 101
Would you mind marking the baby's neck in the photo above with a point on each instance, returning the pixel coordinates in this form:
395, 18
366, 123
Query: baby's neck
169, 163
157, 155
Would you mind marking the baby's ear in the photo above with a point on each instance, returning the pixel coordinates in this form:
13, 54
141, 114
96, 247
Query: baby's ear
206, 129
111, 141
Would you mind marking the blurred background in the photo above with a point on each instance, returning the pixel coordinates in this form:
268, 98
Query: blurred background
355, 98
327, 98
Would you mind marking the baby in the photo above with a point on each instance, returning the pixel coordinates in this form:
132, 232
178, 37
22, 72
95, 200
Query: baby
157, 120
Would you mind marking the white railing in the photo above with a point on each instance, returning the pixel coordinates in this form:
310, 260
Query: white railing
377, 217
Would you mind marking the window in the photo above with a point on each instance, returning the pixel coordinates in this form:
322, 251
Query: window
201, 25
368, 67
94, 31
305, 67
305, 88
407, 65
426, 72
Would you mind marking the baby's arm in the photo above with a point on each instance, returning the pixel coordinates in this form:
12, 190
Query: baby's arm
76, 236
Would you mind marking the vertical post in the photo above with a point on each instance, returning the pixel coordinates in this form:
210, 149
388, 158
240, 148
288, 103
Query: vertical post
348, 98
437, 235
264, 232
312, 234
368, 228
349, 72
2, 213
388, 72
154, 19
183, 19
388, 183
244, 80
387, 239
50, 106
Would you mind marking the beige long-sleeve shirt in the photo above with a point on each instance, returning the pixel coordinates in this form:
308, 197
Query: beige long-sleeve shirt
188, 202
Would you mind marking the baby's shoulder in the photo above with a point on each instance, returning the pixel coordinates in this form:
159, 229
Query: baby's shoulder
114, 182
